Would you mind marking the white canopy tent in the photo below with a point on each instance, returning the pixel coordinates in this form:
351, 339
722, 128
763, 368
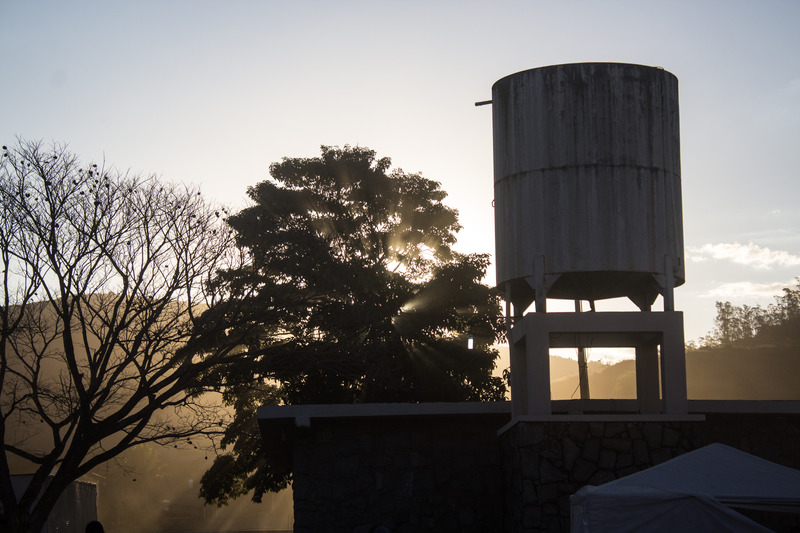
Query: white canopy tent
692, 492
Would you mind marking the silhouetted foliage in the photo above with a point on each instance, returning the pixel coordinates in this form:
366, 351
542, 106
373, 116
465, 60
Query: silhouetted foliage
103, 277
351, 293
777, 324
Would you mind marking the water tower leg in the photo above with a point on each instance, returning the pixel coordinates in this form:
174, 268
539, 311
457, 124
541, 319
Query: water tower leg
669, 285
647, 387
537, 345
583, 373
519, 373
673, 365
583, 367
538, 285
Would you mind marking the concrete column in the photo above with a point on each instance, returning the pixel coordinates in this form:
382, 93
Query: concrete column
669, 285
538, 354
673, 365
541, 291
583, 367
519, 375
647, 383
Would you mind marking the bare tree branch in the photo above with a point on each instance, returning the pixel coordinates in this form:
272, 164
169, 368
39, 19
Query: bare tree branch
104, 277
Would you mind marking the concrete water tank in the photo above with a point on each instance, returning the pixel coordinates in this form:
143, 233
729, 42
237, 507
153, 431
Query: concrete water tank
587, 183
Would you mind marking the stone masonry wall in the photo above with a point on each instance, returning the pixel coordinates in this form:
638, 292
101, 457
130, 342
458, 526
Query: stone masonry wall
545, 462
404, 473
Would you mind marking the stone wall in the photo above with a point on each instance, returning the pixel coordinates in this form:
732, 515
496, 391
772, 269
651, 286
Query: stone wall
544, 462
427, 473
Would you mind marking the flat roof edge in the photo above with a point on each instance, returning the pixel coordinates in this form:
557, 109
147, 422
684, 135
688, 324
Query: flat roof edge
267, 412
605, 417
278, 412
745, 406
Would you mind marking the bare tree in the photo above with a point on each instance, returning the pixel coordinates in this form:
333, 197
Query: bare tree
103, 277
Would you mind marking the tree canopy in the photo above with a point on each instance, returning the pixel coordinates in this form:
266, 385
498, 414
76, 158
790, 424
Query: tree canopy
104, 276
351, 292
744, 325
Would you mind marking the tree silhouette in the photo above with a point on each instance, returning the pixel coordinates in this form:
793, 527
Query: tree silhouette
742, 325
351, 293
104, 276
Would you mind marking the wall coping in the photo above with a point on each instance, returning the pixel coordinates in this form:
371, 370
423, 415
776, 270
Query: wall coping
745, 406
303, 413
604, 417
696, 408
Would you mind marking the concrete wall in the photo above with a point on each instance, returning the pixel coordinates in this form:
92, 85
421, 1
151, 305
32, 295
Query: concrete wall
775, 437
405, 473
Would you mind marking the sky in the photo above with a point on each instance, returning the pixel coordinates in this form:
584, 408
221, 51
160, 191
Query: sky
211, 93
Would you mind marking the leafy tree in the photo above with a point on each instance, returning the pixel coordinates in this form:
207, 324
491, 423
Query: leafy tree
777, 324
351, 293
103, 278
737, 324
782, 323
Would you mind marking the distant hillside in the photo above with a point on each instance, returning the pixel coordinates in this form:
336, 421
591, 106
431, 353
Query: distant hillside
761, 373
605, 380
758, 373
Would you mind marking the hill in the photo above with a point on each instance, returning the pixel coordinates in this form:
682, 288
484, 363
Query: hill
757, 373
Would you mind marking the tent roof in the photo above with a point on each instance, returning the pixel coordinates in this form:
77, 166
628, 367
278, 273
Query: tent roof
648, 510
692, 492
726, 474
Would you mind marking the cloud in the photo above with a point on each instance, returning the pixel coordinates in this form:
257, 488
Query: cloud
746, 290
744, 254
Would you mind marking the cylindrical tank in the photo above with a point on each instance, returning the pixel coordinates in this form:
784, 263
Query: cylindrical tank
587, 182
